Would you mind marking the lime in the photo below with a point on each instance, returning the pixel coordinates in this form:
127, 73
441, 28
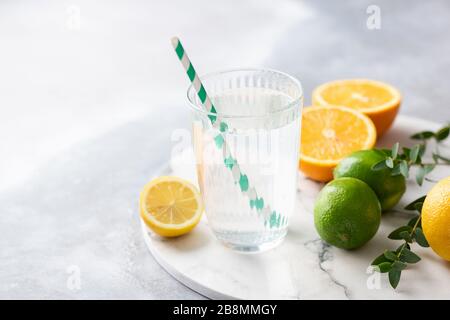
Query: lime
347, 213
389, 189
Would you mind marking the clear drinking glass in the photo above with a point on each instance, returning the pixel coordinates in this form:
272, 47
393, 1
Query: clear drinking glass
248, 175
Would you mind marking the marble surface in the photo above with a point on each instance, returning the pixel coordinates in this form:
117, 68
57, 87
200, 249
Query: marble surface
303, 266
91, 96
84, 119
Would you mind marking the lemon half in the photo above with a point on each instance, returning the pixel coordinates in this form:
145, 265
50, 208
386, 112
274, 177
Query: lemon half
170, 206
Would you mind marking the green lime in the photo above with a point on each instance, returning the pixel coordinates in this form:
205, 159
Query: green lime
347, 213
389, 189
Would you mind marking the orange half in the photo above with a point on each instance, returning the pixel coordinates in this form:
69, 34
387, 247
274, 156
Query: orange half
379, 101
328, 135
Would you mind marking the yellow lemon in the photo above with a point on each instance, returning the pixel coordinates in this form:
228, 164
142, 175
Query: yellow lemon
436, 218
170, 206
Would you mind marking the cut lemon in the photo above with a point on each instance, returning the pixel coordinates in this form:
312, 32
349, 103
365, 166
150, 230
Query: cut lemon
330, 134
378, 100
170, 206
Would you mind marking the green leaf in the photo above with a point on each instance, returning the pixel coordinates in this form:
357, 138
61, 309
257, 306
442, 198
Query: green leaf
380, 259
398, 265
428, 168
418, 206
394, 277
390, 255
411, 206
438, 156
406, 151
420, 174
419, 159
379, 165
435, 157
420, 238
443, 133
389, 163
405, 235
396, 170
408, 256
404, 169
413, 221
395, 235
422, 150
401, 247
423, 135
414, 153
384, 267
394, 151
387, 152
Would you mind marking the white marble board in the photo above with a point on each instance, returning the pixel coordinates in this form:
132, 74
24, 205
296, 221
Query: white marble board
303, 266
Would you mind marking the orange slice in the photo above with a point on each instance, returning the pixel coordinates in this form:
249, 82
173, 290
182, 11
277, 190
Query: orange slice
378, 100
170, 206
330, 134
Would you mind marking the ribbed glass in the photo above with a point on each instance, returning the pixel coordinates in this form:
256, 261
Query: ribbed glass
248, 177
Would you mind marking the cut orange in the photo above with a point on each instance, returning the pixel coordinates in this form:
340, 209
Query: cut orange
330, 134
170, 206
378, 100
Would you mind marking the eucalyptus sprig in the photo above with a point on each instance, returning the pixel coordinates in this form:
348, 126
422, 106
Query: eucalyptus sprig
438, 136
400, 161
394, 262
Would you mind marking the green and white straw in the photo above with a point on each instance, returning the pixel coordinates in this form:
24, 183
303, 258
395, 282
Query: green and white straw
271, 217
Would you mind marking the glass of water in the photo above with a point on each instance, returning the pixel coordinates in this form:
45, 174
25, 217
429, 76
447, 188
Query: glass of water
247, 156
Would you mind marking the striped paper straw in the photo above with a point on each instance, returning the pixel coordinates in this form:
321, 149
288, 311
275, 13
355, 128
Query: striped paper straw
271, 218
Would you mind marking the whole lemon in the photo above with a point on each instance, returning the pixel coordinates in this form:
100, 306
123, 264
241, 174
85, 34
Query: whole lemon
436, 218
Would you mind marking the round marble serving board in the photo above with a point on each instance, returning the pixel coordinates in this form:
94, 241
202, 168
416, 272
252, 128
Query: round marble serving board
303, 266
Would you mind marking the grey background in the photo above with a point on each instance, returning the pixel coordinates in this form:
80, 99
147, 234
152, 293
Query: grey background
87, 112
